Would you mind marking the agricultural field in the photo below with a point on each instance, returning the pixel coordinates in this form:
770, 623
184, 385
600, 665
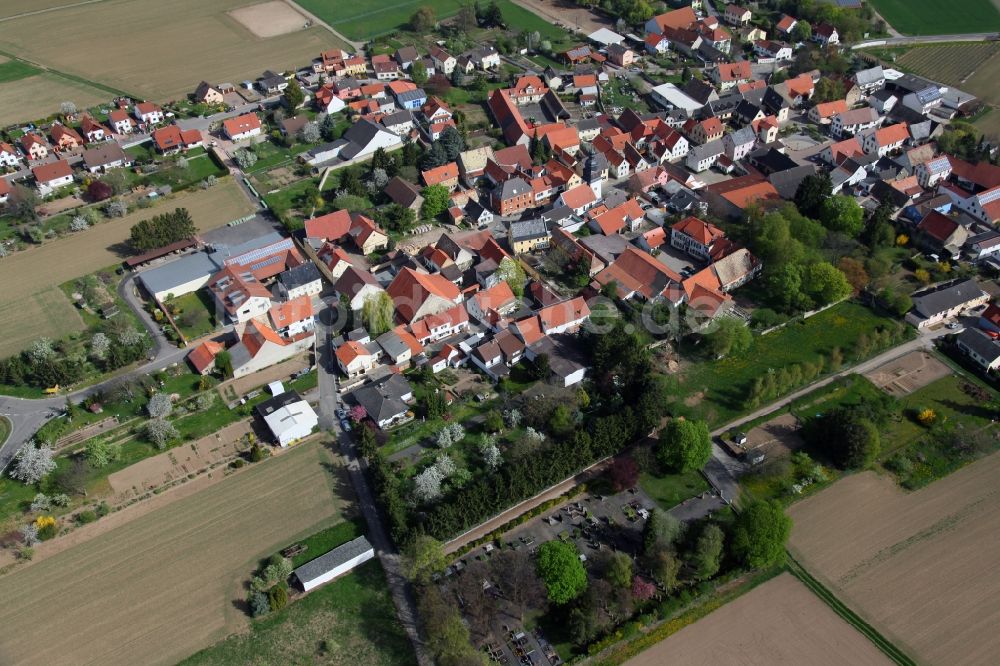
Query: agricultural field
204, 42
169, 583
32, 273
14, 7
927, 17
743, 632
920, 566
39, 96
361, 21
30, 315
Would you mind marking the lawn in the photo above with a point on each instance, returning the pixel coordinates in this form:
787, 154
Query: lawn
326, 540
928, 17
670, 490
194, 313
13, 70
717, 390
349, 621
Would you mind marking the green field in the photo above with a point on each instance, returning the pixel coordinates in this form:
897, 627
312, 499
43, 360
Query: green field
359, 21
928, 17
194, 313
716, 390
13, 70
349, 621
670, 490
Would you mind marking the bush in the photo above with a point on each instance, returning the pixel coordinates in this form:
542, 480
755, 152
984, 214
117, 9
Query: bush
259, 604
277, 597
86, 516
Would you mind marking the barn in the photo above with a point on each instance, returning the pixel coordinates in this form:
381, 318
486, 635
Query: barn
338, 561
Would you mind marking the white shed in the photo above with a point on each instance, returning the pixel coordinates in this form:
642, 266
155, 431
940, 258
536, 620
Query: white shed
338, 561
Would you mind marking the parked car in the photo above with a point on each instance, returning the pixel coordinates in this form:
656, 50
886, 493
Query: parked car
341, 414
345, 425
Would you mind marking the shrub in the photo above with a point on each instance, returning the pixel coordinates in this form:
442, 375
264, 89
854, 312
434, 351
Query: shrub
47, 527
926, 417
277, 596
86, 516
259, 604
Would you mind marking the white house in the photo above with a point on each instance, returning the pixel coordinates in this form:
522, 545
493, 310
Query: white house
288, 417
701, 158
354, 359
302, 280
149, 113
50, 177
883, 141
242, 127
443, 60
9, 156
338, 561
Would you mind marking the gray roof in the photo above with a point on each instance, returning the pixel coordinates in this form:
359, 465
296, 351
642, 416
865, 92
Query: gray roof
392, 344
106, 153
607, 248
979, 342
528, 230
398, 118
708, 149
945, 298
410, 95
513, 187
272, 405
333, 559
787, 182
299, 276
384, 400
742, 136
869, 76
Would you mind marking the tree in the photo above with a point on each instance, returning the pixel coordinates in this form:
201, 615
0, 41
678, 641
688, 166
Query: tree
328, 127
159, 406
436, 201
493, 421
161, 230
561, 421
159, 432
67, 108
452, 142
660, 532
79, 223
511, 272
802, 31
396, 217
849, 439
377, 312
760, 534
828, 90
209, 182
377, 180
825, 283
224, 363
244, 158
23, 203
685, 74
493, 16
731, 336
422, 558
624, 473
423, 19
98, 190
707, 553
294, 97
812, 192
101, 453
277, 597
418, 73
259, 605
684, 445
619, 571
666, 567
492, 457
561, 570
310, 133
922, 275
854, 273
842, 213
447, 635
427, 485
33, 463
465, 20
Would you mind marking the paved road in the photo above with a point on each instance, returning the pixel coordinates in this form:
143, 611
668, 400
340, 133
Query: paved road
722, 471
927, 39
378, 535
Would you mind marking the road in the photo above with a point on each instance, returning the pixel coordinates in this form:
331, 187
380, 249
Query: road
378, 535
722, 471
927, 39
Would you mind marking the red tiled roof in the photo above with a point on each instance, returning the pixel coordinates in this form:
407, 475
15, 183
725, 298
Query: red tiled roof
440, 174
51, 171
202, 356
829, 109
636, 271
937, 226
735, 71
331, 226
410, 289
289, 312
579, 196
704, 232
679, 18
240, 124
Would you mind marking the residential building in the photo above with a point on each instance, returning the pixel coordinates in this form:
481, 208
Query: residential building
172, 139
385, 401
34, 146
50, 177
148, 113
354, 359
242, 127
512, 196
107, 156
982, 349
701, 158
853, 122
825, 34
206, 93
446, 174
288, 417
293, 317
120, 121
736, 15
301, 280
885, 140
528, 235
355, 286
65, 138
9, 156
696, 237
261, 347
942, 302
238, 291
418, 295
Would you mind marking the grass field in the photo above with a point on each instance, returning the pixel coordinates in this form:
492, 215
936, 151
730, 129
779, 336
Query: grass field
349, 621
670, 490
33, 315
195, 314
743, 632
719, 388
920, 566
362, 21
39, 96
165, 585
13, 70
927, 17
203, 42
32, 272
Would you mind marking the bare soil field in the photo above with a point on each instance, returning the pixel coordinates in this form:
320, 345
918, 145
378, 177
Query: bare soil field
779, 622
269, 19
777, 438
14, 7
908, 373
170, 466
163, 586
202, 42
920, 567
31, 273
39, 96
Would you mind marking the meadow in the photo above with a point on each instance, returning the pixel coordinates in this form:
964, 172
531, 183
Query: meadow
927, 17
39, 96
169, 583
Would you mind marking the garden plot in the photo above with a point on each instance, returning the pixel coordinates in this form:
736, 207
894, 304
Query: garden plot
905, 375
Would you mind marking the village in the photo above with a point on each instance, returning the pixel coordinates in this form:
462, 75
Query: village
549, 317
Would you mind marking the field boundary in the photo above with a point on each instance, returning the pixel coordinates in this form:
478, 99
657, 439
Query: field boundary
69, 77
881, 642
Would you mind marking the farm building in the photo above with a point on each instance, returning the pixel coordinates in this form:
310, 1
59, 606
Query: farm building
338, 561
288, 416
